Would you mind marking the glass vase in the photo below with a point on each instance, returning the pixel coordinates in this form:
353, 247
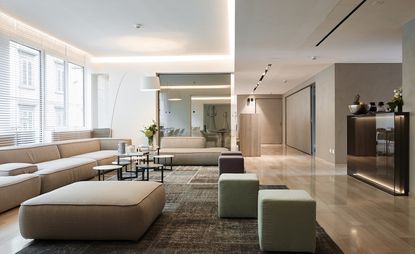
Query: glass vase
150, 141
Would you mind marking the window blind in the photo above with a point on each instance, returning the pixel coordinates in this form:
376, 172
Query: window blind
42, 86
32, 105
20, 95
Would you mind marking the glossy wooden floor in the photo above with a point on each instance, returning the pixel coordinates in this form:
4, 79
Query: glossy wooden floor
358, 217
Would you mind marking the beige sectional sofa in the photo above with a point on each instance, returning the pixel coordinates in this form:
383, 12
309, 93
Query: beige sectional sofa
190, 150
54, 165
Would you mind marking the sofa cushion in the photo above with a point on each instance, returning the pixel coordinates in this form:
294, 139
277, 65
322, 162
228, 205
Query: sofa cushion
12, 169
217, 150
16, 189
102, 157
29, 154
112, 143
73, 148
58, 173
194, 156
49, 167
183, 142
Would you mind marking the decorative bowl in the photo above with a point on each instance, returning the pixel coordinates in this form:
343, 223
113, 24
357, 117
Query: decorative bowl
359, 109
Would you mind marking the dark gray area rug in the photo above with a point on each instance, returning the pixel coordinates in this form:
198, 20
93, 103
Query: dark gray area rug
189, 224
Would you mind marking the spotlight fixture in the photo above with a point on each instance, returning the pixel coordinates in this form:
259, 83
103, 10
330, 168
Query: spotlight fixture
285, 81
249, 101
313, 58
262, 77
138, 26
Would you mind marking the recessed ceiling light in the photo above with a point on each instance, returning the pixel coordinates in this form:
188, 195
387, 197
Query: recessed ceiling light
378, 2
313, 58
174, 99
138, 26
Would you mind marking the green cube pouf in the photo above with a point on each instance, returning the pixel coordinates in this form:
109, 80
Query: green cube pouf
238, 195
286, 221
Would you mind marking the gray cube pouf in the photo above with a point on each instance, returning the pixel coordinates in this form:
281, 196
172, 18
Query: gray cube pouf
92, 210
286, 221
231, 164
238, 195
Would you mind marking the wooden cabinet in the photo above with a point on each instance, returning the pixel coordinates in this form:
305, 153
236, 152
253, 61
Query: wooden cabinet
249, 135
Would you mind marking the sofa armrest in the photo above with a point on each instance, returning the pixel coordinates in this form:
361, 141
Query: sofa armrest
13, 169
112, 143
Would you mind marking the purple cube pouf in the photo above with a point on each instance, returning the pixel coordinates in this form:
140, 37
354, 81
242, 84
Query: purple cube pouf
231, 164
231, 153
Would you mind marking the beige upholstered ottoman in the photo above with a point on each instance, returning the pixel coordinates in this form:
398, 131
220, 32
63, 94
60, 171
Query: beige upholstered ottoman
93, 211
286, 221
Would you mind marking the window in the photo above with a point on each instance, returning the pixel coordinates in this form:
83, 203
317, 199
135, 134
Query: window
59, 117
75, 96
64, 96
26, 117
60, 77
26, 64
31, 108
22, 95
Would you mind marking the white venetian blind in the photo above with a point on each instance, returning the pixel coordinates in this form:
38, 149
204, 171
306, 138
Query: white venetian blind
42, 86
20, 92
55, 91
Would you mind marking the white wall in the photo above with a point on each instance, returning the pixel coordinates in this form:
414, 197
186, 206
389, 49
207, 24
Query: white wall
134, 109
408, 81
373, 81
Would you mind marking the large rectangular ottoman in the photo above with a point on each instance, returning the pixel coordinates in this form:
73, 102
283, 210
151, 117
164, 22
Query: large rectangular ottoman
93, 211
16, 189
286, 221
238, 195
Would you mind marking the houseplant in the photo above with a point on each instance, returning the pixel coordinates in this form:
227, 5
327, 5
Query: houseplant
149, 132
397, 100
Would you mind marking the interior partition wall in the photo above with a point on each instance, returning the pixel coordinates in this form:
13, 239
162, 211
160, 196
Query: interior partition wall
299, 120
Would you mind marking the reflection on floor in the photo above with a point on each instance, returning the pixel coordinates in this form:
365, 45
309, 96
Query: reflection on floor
358, 217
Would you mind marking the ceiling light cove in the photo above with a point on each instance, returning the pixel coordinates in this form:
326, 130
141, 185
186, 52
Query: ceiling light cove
196, 87
139, 44
211, 98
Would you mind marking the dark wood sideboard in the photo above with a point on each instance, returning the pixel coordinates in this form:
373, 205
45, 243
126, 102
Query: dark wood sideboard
378, 150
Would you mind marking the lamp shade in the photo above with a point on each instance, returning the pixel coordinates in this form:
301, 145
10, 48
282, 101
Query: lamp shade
150, 84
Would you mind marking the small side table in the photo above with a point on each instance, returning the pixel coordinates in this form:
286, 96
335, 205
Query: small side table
147, 166
165, 157
104, 169
124, 163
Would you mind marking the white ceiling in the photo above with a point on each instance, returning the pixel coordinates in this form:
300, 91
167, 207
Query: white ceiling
106, 27
285, 33
281, 32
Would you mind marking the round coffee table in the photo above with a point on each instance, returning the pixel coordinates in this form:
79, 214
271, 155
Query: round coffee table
104, 169
165, 157
148, 166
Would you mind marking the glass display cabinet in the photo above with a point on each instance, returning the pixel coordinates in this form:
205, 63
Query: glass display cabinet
378, 150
